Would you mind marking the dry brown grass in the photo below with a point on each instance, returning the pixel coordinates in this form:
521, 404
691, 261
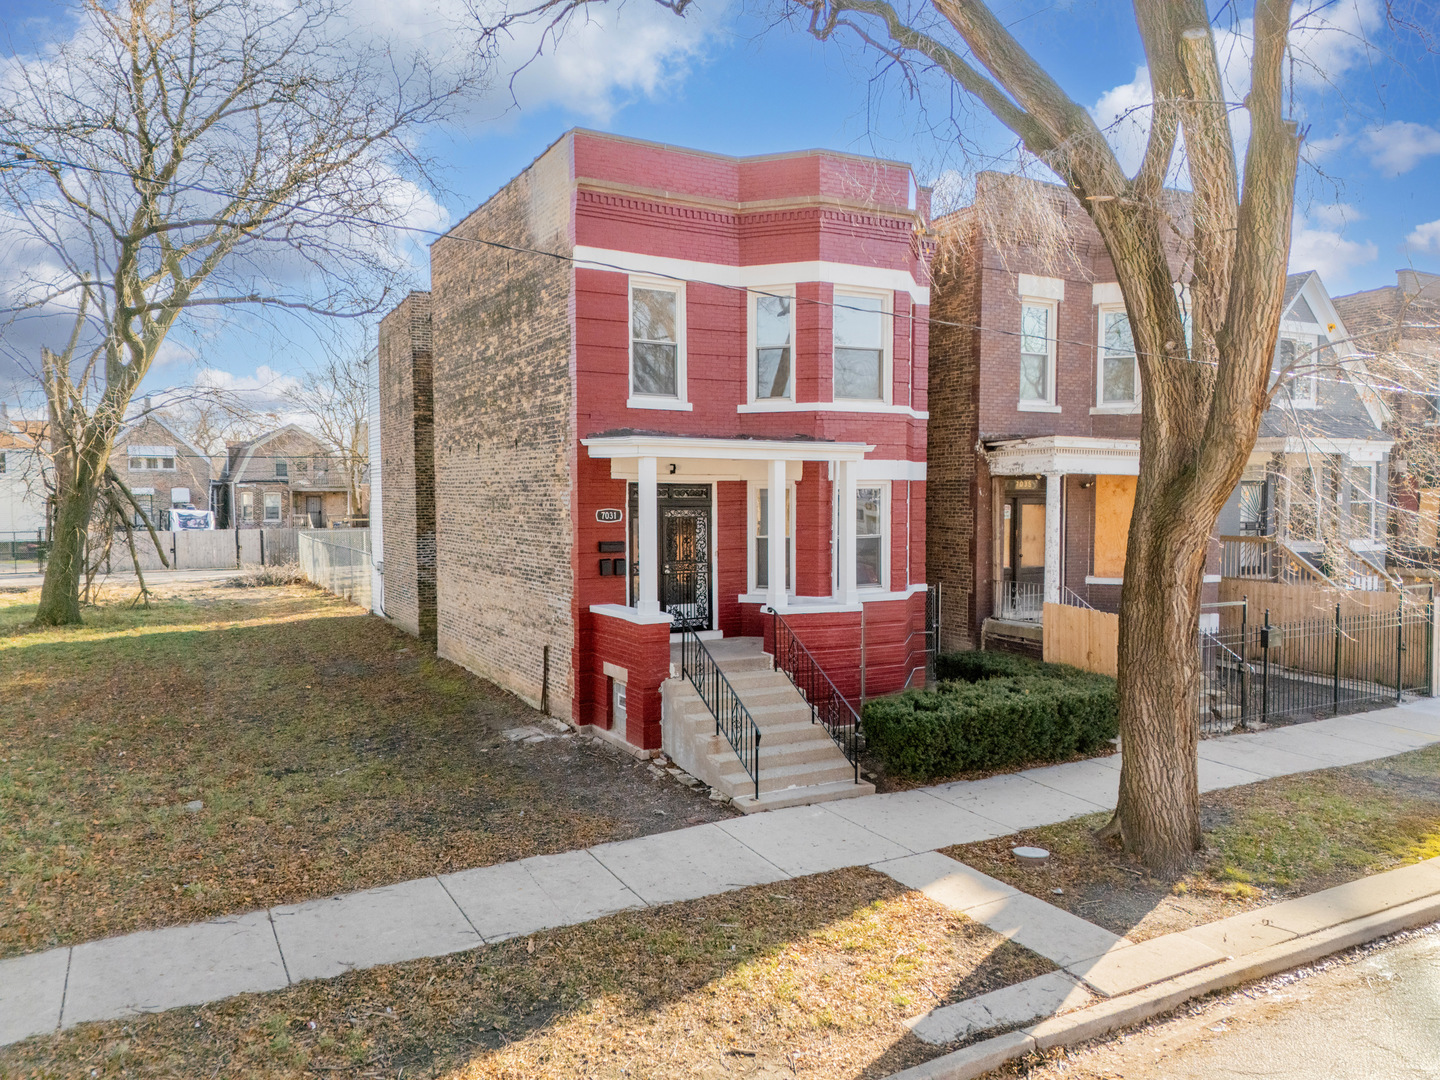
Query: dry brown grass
1265, 842
331, 753
812, 978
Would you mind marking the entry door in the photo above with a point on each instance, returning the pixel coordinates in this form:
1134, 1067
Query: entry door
1023, 539
685, 553
315, 510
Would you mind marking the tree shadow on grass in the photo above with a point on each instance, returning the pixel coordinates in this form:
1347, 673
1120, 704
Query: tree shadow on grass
810, 977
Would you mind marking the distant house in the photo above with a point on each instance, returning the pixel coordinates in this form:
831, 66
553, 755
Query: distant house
1035, 431
1399, 327
286, 478
24, 505
161, 467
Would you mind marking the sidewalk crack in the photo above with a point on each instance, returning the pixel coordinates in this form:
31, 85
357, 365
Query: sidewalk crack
285, 967
460, 909
65, 990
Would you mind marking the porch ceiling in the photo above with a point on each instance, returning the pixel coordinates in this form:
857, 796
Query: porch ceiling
1067, 455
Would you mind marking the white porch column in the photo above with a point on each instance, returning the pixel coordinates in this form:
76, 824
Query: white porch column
1054, 484
845, 492
775, 589
649, 530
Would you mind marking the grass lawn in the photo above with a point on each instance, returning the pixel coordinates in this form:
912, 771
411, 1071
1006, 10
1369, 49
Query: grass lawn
1265, 842
330, 751
812, 977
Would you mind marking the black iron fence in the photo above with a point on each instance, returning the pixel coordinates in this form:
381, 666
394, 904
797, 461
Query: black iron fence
23, 552
827, 705
732, 719
1266, 673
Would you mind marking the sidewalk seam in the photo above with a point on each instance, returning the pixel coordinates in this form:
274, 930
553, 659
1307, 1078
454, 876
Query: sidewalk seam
461, 909
65, 990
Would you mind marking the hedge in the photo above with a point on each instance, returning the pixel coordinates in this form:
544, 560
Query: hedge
1026, 712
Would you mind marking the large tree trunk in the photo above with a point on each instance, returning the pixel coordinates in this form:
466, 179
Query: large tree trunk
60, 595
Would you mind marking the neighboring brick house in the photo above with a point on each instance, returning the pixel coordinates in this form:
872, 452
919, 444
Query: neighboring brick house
286, 478
609, 422
161, 467
1035, 427
1399, 327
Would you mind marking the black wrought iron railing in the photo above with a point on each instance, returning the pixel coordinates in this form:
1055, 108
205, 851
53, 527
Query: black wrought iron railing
827, 705
732, 719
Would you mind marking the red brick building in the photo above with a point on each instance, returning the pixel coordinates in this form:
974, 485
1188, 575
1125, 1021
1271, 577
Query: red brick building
603, 406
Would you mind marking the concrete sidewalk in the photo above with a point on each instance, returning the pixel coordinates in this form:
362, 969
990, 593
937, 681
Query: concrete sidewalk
896, 833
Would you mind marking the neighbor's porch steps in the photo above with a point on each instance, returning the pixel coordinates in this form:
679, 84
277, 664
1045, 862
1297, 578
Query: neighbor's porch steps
799, 762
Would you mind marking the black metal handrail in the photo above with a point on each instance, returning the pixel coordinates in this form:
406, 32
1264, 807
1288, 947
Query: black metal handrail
732, 719
827, 705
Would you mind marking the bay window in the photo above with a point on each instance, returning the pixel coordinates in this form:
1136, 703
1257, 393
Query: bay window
859, 326
773, 346
763, 534
869, 537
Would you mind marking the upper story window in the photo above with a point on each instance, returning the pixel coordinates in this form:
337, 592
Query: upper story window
773, 338
153, 464
657, 345
860, 347
1037, 353
1302, 352
282, 469
1119, 374
1362, 501
302, 467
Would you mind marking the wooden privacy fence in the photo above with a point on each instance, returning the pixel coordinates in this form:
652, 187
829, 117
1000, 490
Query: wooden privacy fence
1299, 603
1082, 637
338, 560
206, 549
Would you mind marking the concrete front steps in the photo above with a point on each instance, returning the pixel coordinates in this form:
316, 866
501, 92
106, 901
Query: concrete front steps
799, 762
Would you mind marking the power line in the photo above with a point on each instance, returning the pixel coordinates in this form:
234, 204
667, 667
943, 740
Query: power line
679, 279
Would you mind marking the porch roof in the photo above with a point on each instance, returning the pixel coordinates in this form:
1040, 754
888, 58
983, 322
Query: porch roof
1067, 455
638, 444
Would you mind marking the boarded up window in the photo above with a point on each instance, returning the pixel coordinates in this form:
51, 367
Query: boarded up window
1114, 503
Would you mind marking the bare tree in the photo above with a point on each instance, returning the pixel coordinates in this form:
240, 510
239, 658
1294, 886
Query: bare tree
333, 397
212, 418
1201, 403
178, 157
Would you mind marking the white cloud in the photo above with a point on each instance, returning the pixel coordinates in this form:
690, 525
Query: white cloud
1333, 37
1424, 237
1327, 252
1123, 113
1397, 147
1337, 214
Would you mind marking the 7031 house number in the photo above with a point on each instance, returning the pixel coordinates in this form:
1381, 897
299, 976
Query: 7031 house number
609, 516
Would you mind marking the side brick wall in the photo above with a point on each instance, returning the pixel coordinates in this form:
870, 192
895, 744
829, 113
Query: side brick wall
407, 454
505, 445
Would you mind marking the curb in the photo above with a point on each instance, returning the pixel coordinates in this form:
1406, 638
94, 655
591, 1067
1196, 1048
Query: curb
1096, 1020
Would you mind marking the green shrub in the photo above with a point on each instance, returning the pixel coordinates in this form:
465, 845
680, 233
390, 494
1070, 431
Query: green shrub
990, 723
978, 664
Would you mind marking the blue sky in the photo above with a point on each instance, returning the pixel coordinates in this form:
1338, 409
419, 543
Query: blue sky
719, 81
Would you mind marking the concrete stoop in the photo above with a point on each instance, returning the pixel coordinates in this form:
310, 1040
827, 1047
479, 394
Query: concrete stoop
799, 762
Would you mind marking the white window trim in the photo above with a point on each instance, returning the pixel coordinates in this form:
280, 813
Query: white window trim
885, 537
887, 343
161, 467
680, 402
752, 338
265, 506
1305, 342
1372, 501
1101, 406
1048, 404
752, 490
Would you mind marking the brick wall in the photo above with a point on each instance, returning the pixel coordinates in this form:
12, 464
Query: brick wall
505, 451
407, 443
191, 470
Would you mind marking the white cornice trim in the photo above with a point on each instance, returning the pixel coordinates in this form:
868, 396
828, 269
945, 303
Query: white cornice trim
873, 408
680, 446
1067, 455
751, 277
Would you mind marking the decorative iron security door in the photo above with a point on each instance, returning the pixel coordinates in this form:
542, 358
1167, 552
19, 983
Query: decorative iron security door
684, 541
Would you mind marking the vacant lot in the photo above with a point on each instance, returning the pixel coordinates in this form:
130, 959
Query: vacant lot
1265, 842
812, 977
327, 751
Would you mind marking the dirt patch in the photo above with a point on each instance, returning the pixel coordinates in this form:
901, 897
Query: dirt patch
329, 751
1264, 843
812, 977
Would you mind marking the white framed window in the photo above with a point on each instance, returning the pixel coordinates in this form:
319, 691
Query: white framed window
152, 464
247, 506
1362, 500
772, 345
861, 325
1117, 375
761, 531
272, 506
870, 521
1301, 384
657, 344
1037, 353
